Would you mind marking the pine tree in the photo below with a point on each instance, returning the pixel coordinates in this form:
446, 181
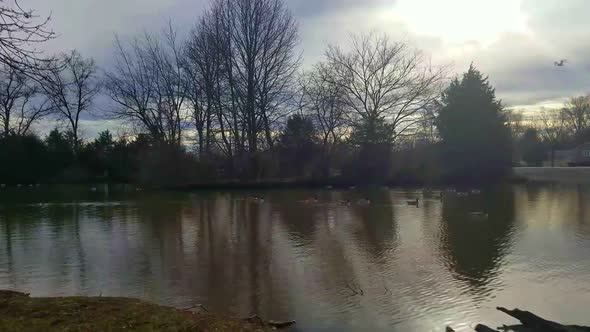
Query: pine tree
472, 124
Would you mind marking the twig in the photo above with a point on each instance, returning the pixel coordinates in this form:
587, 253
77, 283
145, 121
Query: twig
356, 290
200, 306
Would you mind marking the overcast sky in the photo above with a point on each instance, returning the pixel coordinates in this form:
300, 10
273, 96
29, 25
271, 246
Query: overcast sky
515, 42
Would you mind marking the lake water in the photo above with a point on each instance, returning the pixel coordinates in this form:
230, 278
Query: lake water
329, 266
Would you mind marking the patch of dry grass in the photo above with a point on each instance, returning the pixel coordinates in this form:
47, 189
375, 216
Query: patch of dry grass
18, 312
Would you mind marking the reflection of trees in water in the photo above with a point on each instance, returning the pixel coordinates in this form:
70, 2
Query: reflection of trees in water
582, 208
474, 246
230, 265
47, 237
377, 227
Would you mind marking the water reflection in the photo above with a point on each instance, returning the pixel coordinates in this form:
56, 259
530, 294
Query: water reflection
328, 265
476, 233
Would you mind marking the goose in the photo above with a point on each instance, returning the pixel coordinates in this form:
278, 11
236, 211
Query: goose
257, 199
364, 201
415, 202
344, 202
314, 199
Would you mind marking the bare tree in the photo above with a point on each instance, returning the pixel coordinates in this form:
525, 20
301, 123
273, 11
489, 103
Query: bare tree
324, 102
20, 30
577, 115
21, 105
515, 119
149, 86
253, 71
71, 90
202, 72
384, 80
551, 125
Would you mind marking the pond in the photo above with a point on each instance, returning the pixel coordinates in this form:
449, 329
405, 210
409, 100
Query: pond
329, 265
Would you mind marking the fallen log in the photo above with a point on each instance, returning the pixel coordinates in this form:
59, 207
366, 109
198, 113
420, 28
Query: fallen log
256, 320
536, 323
483, 328
529, 323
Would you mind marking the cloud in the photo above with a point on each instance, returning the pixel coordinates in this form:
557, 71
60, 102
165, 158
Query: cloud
515, 42
313, 8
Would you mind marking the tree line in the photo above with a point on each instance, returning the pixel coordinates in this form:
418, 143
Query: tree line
539, 135
232, 101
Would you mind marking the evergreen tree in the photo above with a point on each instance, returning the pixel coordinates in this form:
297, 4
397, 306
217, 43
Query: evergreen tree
372, 139
531, 146
298, 146
472, 124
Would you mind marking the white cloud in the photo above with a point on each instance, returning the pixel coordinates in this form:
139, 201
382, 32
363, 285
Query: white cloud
513, 41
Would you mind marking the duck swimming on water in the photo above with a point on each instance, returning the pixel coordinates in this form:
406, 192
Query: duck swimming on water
257, 199
363, 201
415, 202
312, 200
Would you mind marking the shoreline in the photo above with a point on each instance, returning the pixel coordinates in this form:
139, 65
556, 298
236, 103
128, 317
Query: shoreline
19, 312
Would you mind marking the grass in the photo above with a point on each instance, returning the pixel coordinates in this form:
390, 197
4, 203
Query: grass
18, 312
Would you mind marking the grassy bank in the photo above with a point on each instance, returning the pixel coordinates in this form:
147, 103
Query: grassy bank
18, 312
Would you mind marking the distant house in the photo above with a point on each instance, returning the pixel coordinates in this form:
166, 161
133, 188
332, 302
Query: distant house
562, 158
580, 156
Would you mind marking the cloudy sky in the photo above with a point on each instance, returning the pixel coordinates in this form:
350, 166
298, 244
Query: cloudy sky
515, 42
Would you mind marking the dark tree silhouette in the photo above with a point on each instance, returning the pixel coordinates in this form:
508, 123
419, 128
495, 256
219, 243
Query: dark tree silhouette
383, 81
552, 126
71, 90
576, 115
297, 145
21, 30
148, 85
255, 41
533, 151
21, 104
475, 137
323, 102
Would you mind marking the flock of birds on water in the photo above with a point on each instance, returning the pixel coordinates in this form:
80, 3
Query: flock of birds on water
367, 202
360, 202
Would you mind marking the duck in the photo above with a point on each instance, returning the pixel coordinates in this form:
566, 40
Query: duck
479, 214
363, 201
93, 189
314, 199
352, 187
2, 185
415, 202
329, 187
475, 191
344, 202
257, 199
